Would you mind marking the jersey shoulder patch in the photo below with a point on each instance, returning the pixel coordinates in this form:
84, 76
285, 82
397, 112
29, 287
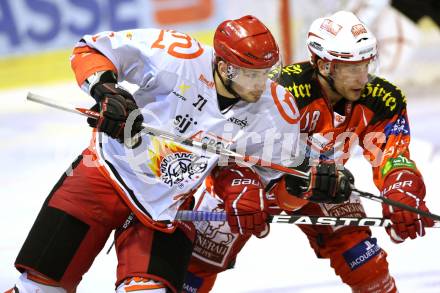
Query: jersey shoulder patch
298, 79
383, 98
284, 103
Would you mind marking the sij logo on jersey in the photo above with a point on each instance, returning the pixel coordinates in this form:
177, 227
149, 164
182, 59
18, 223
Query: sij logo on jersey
182, 123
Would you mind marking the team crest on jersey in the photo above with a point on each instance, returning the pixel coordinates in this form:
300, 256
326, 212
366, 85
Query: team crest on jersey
175, 165
400, 126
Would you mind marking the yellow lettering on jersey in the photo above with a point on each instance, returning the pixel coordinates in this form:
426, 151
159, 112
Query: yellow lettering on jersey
390, 101
301, 90
292, 69
376, 91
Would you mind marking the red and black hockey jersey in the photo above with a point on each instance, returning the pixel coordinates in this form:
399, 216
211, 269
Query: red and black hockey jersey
377, 122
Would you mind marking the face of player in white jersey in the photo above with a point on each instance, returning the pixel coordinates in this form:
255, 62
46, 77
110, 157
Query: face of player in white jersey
247, 83
245, 54
250, 83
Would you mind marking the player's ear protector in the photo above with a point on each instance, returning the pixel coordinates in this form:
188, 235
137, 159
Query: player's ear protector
327, 68
223, 69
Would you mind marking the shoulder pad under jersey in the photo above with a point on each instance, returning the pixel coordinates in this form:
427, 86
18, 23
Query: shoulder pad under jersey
383, 98
298, 79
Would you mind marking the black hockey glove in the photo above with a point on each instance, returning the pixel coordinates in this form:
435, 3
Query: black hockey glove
114, 105
326, 184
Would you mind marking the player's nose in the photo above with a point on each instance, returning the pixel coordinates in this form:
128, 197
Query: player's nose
362, 78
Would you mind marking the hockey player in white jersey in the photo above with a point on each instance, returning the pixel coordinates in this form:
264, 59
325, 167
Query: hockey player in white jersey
220, 96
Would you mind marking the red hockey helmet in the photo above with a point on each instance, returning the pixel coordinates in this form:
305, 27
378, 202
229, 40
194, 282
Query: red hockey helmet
246, 42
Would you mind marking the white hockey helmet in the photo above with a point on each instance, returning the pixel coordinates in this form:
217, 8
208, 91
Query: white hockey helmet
341, 37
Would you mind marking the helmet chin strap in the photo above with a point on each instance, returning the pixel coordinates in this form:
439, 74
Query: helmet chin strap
330, 81
227, 84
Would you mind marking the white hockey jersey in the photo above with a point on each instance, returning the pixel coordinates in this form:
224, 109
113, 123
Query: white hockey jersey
177, 94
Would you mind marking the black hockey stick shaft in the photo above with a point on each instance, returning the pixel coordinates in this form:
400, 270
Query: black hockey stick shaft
397, 204
195, 216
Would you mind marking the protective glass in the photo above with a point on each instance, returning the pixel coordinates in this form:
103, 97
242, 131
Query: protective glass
252, 79
357, 70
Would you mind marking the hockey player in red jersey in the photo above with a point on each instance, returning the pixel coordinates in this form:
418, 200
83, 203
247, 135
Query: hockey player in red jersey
185, 88
341, 101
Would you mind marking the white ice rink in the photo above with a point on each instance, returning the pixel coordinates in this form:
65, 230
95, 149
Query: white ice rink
38, 144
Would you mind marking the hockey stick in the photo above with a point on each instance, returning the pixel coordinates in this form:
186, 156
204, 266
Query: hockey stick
221, 151
198, 216
195, 216
170, 136
397, 204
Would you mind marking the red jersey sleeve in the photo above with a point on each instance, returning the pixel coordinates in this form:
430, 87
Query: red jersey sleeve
386, 145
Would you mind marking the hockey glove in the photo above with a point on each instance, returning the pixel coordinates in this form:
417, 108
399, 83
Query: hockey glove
244, 202
115, 105
408, 188
326, 184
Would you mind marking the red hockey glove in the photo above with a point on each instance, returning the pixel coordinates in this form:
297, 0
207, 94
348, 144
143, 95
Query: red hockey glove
115, 105
408, 188
243, 196
326, 184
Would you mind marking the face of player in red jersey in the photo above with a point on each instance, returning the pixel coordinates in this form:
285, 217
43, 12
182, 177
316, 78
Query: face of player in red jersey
350, 79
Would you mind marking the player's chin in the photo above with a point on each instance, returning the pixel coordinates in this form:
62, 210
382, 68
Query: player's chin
253, 97
354, 95
250, 99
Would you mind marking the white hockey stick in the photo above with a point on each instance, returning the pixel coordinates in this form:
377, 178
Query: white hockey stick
170, 136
